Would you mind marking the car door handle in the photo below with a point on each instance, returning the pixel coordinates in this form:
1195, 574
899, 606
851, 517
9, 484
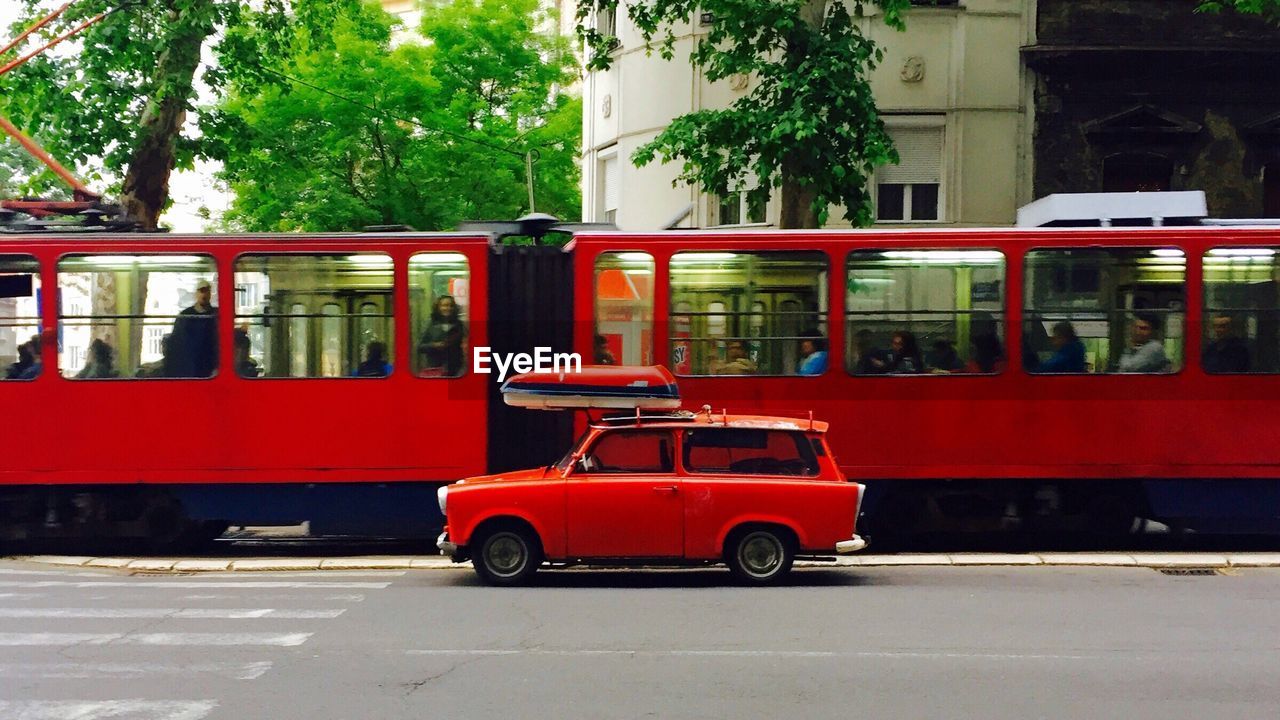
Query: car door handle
665, 488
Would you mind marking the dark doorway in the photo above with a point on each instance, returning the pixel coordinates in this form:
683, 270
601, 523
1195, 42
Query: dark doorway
1136, 172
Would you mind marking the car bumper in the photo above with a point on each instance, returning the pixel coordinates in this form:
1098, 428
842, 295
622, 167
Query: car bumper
853, 544
446, 547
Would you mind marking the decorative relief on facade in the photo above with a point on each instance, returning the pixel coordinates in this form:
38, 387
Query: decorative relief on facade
739, 82
912, 69
606, 106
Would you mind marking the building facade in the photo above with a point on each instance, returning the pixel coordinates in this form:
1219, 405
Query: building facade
1150, 95
951, 88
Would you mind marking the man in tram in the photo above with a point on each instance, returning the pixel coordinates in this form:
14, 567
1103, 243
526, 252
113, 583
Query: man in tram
813, 353
195, 336
1227, 353
737, 361
1145, 353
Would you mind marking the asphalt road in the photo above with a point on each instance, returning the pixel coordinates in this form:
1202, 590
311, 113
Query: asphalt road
899, 642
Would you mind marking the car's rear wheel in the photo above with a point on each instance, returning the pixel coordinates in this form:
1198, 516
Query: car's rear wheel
507, 556
759, 556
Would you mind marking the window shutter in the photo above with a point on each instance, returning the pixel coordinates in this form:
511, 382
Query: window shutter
611, 183
920, 156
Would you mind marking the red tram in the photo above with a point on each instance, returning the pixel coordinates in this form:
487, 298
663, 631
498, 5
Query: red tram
981, 378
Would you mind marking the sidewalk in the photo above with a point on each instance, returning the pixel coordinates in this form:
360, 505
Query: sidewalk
437, 562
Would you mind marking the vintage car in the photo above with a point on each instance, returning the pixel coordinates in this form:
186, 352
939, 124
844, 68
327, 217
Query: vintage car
656, 488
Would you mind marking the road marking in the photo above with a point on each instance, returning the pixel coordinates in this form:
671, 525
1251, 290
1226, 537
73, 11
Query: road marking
176, 613
166, 639
130, 671
762, 654
193, 585
106, 709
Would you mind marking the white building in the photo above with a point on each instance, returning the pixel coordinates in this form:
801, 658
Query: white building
951, 89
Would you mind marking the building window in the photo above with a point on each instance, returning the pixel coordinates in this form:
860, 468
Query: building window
312, 308
1241, 310
736, 209
924, 311
1136, 172
911, 191
20, 346
1271, 191
607, 185
758, 313
624, 309
114, 305
1107, 310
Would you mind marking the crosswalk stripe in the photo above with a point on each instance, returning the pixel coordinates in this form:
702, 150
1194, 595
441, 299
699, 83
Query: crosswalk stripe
195, 584
131, 671
177, 613
106, 709
166, 639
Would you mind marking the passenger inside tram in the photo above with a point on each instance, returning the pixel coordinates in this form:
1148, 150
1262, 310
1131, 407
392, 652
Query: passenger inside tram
603, 355
737, 361
246, 366
1068, 351
375, 362
1145, 353
1226, 352
869, 359
943, 358
101, 364
27, 367
904, 354
195, 336
441, 344
813, 353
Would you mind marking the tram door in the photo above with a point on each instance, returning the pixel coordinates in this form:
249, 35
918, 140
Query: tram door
327, 334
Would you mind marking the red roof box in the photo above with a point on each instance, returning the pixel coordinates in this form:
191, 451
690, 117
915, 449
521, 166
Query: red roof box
597, 386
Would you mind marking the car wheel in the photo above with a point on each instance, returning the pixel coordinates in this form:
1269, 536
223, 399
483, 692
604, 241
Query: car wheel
759, 556
507, 556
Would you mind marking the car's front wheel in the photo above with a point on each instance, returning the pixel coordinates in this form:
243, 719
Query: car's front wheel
759, 556
507, 556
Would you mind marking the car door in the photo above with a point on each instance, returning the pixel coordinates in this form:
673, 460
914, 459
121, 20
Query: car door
623, 498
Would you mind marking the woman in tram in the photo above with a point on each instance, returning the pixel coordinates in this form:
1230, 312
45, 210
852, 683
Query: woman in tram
904, 354
1068, 351
441, 344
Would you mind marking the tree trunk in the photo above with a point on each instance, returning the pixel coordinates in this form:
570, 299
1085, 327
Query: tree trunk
797, 199
146, 185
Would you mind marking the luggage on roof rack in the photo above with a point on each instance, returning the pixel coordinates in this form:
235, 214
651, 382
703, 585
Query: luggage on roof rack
605, 387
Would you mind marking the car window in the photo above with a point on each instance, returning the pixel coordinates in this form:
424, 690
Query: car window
749, 452
631, 451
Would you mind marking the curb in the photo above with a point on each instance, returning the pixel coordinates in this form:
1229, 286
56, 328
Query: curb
437, 562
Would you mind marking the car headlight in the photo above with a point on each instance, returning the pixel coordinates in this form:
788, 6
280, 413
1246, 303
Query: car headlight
442, 495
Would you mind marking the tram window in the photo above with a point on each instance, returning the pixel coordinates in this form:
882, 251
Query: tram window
440, 302
138, 316
924, 311
758, 313
1241, 311
315, 316
749, 452
1110, 310
624, 308
19, 317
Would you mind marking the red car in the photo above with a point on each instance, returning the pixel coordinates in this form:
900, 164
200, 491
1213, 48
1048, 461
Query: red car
667, 488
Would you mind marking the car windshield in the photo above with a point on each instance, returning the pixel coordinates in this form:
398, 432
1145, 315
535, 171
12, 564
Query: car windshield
563, 462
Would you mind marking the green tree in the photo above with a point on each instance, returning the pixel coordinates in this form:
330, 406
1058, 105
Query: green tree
419, 134
125, 95
1268, 9
808, 128
21, 174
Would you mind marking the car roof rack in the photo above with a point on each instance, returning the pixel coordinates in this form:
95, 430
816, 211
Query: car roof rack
633, 418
